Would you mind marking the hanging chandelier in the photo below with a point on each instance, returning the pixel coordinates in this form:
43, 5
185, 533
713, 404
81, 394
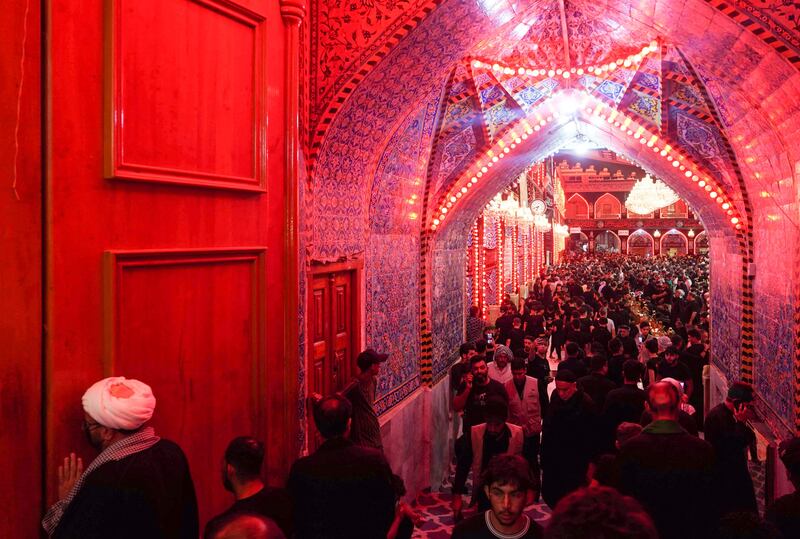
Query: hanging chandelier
649, 195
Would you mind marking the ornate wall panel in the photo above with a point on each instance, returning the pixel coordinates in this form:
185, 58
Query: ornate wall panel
153, 129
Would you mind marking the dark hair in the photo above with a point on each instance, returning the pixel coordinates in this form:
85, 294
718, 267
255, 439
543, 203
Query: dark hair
575, 324
614, 345
677, 341
518, 363
572, 349
496, 409
598, 362
651, 345
507, 469
632, 370
476, 359
644, 324
694, 334
516, 319
480, 346
246, 455
465, 348
599, 512
672, 351
331, 415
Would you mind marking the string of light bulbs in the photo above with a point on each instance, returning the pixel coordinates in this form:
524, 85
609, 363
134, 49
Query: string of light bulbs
628, 61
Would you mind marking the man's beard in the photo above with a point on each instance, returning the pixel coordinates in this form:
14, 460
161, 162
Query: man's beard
226, 482
481, 378
92, 442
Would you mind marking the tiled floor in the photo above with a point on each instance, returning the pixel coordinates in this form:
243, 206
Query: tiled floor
435, 507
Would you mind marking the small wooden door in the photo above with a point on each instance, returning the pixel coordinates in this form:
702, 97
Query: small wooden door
333, 332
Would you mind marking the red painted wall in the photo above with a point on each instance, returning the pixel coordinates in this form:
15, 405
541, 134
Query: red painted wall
20, 269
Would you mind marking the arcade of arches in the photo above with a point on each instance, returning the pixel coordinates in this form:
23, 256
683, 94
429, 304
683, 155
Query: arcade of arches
297, 180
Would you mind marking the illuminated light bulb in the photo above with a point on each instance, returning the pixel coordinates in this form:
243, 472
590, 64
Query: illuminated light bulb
708, 187
590, 69
474, 180
637, 135
517, 140
580, 71
502, 155
656, 149
435, 222
496, 67
738, 227
729, 212
521, 71
525, 136
663, 153
549, 118
734, 220
536, 73
719, 199
572, 70
630, 133
619, 62
536, 128
490, 164
412, 215
478, 175
410, 201
542, 123
463, 189
458, 194
642, 141
627, 62
681, 167
637, 58
713, 194
551, 73
442, 210
617, 124
506, 150
559, 71
448, 206
513, 145
589, 110
565, 74
688, 173
674, 163
725, 206
484, 170
650, 143
695, 177
452, 199
508, 71
701, 183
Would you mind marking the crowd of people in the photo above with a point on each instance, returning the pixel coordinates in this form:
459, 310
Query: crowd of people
588, 395
599, 374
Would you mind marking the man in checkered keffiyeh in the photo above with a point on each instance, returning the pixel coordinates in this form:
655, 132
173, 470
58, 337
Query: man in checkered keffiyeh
138, 486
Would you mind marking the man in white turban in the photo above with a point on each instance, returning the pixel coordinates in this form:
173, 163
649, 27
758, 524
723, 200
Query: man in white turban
138, 486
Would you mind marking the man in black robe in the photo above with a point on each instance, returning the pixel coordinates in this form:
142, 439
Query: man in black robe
669, 471
342, 490
571, 437
241, 475
138, 486
727, 431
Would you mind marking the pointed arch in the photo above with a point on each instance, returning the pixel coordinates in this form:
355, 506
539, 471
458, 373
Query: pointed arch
640, 250
607, 233
577, 207
678, 210
607, 206
674, 232
701, 243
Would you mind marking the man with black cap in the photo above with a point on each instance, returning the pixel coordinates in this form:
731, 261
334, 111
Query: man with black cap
570, 438
727, 431
365, 429
785, 511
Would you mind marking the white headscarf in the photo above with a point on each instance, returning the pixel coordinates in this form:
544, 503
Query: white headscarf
119, 403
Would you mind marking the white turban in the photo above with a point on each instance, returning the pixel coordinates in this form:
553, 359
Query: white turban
118, 403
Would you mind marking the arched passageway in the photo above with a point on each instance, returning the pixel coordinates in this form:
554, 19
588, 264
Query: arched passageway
445, 114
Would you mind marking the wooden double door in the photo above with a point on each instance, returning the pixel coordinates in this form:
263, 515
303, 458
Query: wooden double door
333, 331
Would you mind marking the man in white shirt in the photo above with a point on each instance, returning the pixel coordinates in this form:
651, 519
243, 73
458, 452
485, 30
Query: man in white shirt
500, 368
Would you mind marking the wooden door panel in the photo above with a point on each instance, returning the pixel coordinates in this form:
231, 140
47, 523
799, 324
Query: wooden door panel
154, 126
187, 98
189, 325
